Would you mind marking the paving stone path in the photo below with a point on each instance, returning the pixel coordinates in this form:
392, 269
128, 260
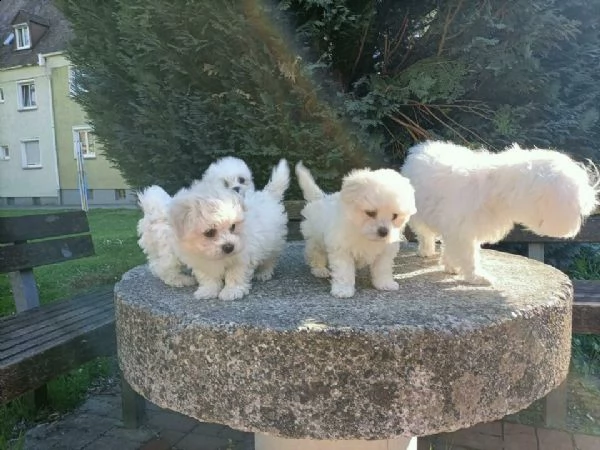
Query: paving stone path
97, 425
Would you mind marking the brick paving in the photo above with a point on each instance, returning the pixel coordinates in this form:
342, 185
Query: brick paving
97, 425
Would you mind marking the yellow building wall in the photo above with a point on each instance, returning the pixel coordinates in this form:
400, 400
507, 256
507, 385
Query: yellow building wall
67, 115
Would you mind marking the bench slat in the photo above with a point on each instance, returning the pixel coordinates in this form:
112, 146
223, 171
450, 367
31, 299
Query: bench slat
586, 307
82, 338
34, 254
16, 342
40, 226
72, 351
30, 349
587, 291
32, 318
293, 208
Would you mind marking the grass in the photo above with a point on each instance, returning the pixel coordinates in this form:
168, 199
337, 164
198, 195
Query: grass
115, 243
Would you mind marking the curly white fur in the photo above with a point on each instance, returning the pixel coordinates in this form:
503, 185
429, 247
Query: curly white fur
225, 238
232, 173
472, 197
156, 238
359, 226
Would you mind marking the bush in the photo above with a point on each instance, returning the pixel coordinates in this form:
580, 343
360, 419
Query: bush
170, 86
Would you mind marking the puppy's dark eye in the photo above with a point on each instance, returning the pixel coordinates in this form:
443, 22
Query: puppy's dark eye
210, 233
226, 184
232, 228
371, 213
394, 216
242, 180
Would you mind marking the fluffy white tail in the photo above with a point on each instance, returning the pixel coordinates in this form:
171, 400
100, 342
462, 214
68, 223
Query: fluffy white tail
279, 181
307, 183
154, 202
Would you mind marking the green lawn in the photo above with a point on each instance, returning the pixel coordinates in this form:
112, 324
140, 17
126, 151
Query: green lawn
115, 241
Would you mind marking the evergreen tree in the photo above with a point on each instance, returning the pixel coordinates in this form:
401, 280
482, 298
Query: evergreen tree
171, 86
481, 72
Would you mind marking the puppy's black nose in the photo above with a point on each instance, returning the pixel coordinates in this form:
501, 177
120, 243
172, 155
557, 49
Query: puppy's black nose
236, 189
227, 248
382, 231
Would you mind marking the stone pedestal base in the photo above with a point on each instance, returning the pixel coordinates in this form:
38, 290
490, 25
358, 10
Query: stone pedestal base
266, 442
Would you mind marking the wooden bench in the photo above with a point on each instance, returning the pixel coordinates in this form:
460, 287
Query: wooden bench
41, 342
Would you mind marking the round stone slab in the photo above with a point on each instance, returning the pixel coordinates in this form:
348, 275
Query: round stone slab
292, 361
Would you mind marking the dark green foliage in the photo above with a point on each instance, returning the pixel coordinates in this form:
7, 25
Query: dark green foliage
171, 86
472, 71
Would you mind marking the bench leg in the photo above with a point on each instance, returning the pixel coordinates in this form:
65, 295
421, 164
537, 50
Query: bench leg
555, 407
40, 397
133, 406
423, 443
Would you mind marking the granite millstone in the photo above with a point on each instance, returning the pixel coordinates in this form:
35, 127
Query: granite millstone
292, 361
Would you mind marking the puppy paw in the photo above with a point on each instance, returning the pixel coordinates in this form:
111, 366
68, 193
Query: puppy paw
342, 290
264, 274
320, 272
206, 292
425, 252
479, 278
181, 280
233, 292
386, 285
451, 269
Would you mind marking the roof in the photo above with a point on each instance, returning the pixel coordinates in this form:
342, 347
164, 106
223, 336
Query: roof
43, 12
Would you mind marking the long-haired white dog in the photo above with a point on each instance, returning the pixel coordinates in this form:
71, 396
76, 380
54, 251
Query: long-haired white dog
156, 238
361, 225
233, 173
472, 197
224, 237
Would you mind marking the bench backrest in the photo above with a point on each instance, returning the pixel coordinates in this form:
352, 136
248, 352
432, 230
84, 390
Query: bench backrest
59, 243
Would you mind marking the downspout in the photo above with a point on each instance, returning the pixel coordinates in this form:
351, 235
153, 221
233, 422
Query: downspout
48, 71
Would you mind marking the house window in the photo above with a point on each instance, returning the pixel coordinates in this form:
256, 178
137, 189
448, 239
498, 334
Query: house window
4, 153
120, 194
32, 158
1, 95
22, 35
85, 138
26, 94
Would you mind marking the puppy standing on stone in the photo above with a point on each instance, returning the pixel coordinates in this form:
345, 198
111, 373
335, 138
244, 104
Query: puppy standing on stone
360, 225
156, 238
225, 238
473, 197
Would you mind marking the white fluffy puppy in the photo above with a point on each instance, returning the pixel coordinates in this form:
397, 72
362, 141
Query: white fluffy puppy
360, 225
232, 172
473, 197
225, 238
156, 238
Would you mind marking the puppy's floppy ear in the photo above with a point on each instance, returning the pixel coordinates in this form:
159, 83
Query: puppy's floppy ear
179, 216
